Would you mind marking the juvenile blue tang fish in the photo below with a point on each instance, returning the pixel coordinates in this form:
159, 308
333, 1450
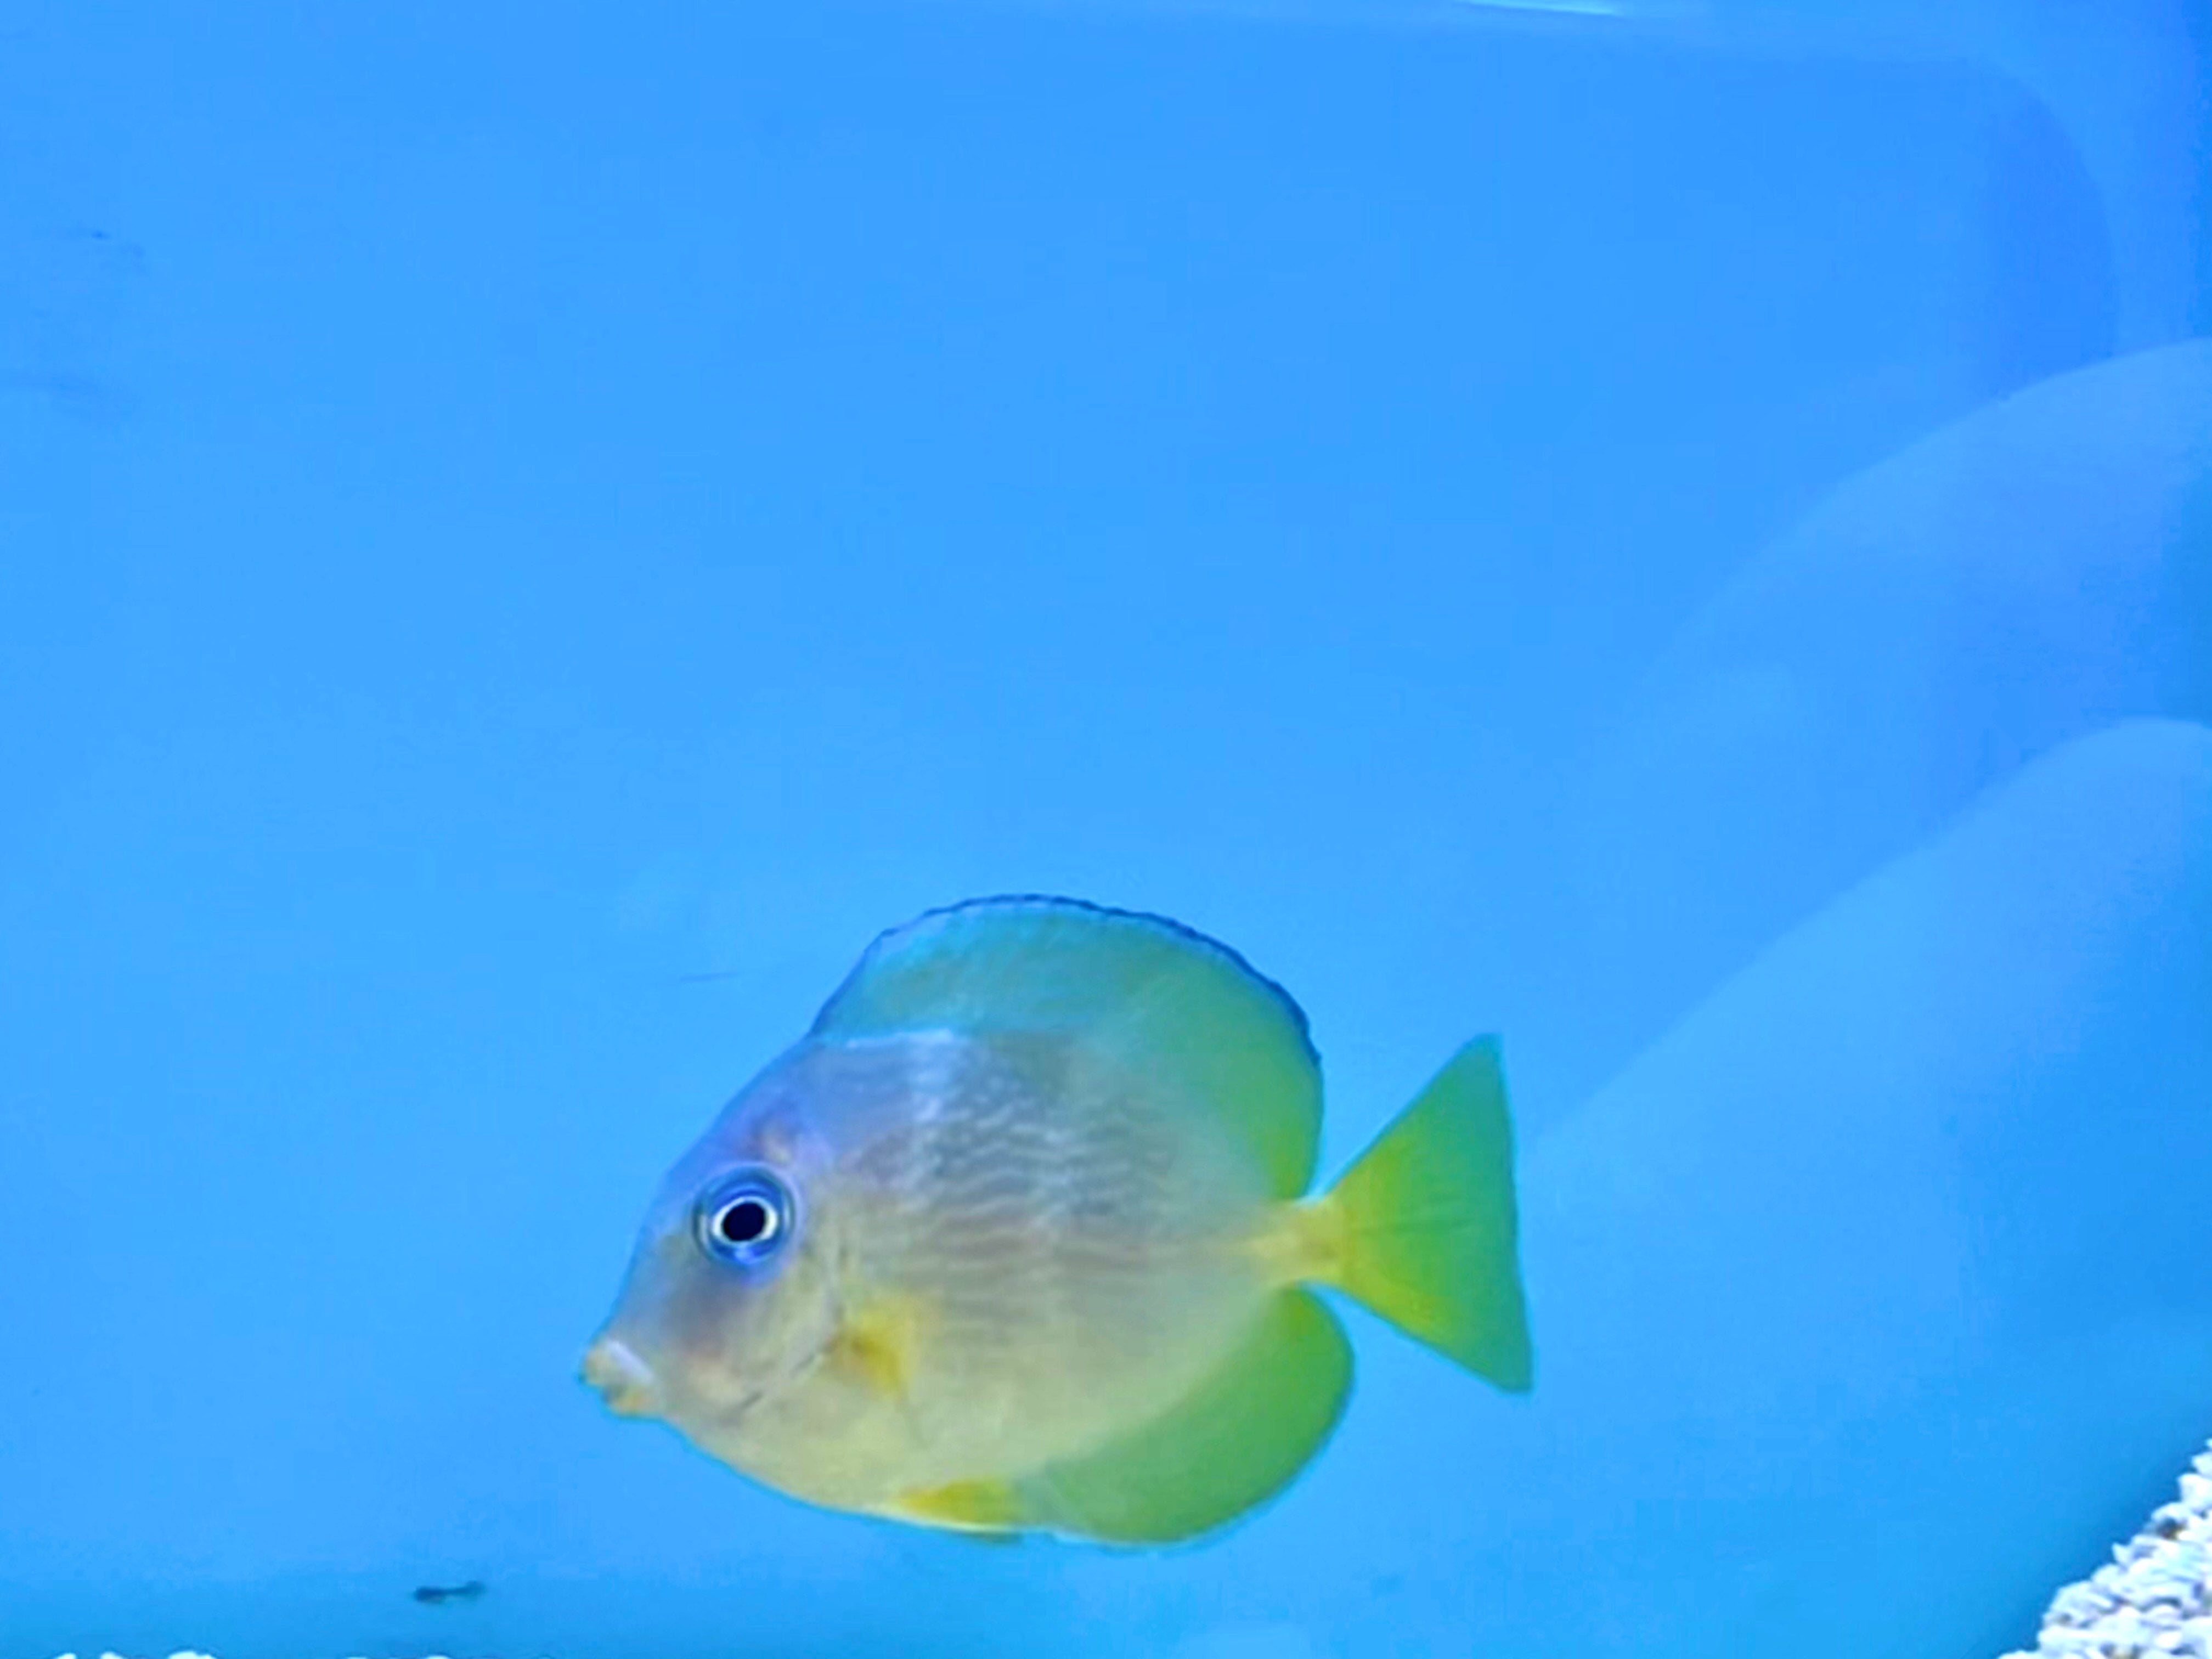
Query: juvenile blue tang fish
1016, 1238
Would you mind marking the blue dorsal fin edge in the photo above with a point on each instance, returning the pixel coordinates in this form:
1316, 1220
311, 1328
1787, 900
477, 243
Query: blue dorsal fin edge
1229, 955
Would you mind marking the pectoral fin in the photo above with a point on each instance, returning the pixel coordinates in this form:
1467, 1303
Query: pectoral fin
876, 1344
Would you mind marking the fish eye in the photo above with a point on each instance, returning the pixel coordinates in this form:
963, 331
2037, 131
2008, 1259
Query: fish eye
746, 1217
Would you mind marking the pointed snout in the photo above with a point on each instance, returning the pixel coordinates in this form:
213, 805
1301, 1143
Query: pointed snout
625, 1382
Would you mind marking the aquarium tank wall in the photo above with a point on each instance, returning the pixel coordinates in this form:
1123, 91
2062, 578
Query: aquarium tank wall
1675, 535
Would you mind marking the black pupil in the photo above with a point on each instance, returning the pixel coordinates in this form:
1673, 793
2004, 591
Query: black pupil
744, 1222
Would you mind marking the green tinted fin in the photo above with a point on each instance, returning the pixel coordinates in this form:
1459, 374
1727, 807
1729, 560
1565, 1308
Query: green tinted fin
1237, 1440
1149, 994
1423, 1228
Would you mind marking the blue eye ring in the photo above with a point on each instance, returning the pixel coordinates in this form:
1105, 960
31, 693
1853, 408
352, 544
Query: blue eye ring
746, 1217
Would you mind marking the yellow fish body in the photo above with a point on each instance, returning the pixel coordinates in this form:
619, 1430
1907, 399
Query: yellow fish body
1016, 1238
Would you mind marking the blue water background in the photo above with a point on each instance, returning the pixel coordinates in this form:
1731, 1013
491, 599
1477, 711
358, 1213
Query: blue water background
531, 534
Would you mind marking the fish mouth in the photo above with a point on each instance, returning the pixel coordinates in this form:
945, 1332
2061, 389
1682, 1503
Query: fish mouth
629, 1387
625, 1381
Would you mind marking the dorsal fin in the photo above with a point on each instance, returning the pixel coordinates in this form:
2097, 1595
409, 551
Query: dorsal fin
1159, 998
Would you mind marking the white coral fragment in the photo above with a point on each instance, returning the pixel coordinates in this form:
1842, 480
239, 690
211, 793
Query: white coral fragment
2154, 1599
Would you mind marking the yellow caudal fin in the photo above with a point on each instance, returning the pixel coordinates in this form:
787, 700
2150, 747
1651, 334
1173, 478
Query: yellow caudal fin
1422, 1227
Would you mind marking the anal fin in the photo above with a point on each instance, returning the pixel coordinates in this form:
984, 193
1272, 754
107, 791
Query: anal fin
1238, 1439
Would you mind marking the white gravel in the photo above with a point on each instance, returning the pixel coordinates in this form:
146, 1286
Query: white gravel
2155, 1601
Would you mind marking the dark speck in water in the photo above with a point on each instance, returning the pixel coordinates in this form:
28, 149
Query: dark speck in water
438, 1595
